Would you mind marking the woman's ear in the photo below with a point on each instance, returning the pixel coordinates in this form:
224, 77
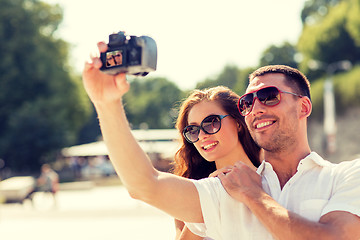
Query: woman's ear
240, 128
306, 107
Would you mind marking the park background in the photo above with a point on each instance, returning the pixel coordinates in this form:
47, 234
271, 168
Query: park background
44, 109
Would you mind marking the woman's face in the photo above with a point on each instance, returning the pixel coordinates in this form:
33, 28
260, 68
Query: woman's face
110, 61
221, 147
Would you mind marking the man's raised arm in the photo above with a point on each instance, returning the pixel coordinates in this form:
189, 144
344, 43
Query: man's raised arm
174, 195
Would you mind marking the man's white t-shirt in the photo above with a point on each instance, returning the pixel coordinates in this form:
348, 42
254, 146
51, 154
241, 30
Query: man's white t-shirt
317, 188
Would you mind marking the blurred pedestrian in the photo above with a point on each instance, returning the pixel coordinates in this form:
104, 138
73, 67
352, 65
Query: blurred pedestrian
48, 181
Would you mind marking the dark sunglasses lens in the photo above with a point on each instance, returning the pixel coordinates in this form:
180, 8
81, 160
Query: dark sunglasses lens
269, 96
191, 133
245, 103
211, 124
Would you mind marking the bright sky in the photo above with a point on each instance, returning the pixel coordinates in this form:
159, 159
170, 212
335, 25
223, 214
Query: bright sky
195, 38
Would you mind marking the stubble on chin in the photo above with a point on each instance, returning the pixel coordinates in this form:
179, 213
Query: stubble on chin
278, 142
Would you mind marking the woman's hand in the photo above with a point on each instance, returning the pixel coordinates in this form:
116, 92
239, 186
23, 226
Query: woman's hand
101, 87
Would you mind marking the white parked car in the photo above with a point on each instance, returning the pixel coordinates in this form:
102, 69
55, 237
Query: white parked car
17, 189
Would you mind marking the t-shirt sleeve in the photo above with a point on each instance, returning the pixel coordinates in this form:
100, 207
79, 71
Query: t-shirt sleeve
197, 228
209, 195
346, 190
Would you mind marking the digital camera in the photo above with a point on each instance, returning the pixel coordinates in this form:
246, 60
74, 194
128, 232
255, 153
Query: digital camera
129, 54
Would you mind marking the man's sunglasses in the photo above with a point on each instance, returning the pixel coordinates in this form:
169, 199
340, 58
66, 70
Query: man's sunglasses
210, 125
269, 96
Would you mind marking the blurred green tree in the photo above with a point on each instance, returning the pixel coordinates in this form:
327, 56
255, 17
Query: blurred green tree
42, 106
353, 23
227, 77
231, 76
333, 38
90, 132
151, 103
314, 10
284, 54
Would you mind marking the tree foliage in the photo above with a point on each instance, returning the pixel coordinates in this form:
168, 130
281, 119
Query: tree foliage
42, 104
228, 77
314, 10
353, 23
347, 90
284, 54
333, 38
231, 77
150, 103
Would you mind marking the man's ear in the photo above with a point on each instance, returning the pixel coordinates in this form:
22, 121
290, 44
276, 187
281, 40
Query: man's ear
306, 107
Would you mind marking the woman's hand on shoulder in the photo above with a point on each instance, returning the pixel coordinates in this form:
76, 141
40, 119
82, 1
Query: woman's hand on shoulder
102, 87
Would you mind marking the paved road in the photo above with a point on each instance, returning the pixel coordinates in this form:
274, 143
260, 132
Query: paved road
101, 213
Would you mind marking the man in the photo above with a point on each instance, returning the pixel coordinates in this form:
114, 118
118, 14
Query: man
310, 197
205, 203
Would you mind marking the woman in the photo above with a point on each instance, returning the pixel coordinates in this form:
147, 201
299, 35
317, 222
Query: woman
194, 161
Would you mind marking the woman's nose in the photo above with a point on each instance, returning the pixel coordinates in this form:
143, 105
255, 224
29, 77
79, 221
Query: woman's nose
202, 134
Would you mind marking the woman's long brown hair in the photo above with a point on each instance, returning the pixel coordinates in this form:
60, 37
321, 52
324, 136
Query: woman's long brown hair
188, 161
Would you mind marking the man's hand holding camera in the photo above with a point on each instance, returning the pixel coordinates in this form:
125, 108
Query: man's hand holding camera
104, 77
102, 87
129, 54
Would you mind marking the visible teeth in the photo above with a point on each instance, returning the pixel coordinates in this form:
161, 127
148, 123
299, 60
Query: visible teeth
210, 145
263, 124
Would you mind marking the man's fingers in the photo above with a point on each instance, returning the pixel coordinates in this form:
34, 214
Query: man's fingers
221, 176
221, 170
122, 82
241, 165
88, 66
97, 63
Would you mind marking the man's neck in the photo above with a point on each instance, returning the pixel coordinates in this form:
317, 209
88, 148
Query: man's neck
285, 163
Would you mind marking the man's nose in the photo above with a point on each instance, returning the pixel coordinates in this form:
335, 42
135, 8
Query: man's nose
257, 107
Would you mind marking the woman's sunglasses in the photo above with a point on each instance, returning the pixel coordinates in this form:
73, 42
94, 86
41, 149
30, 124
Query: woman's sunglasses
210, 125
269, 96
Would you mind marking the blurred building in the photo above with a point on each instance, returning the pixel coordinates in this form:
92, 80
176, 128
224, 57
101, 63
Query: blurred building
89, 160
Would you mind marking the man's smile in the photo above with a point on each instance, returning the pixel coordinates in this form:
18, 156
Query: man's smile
264, 124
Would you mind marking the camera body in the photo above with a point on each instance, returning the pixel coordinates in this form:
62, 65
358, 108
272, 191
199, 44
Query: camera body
129, 54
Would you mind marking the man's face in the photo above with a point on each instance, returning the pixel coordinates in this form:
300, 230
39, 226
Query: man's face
273, 128
118, 58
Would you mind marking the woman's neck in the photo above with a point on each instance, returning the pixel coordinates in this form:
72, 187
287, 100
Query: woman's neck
238, 155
